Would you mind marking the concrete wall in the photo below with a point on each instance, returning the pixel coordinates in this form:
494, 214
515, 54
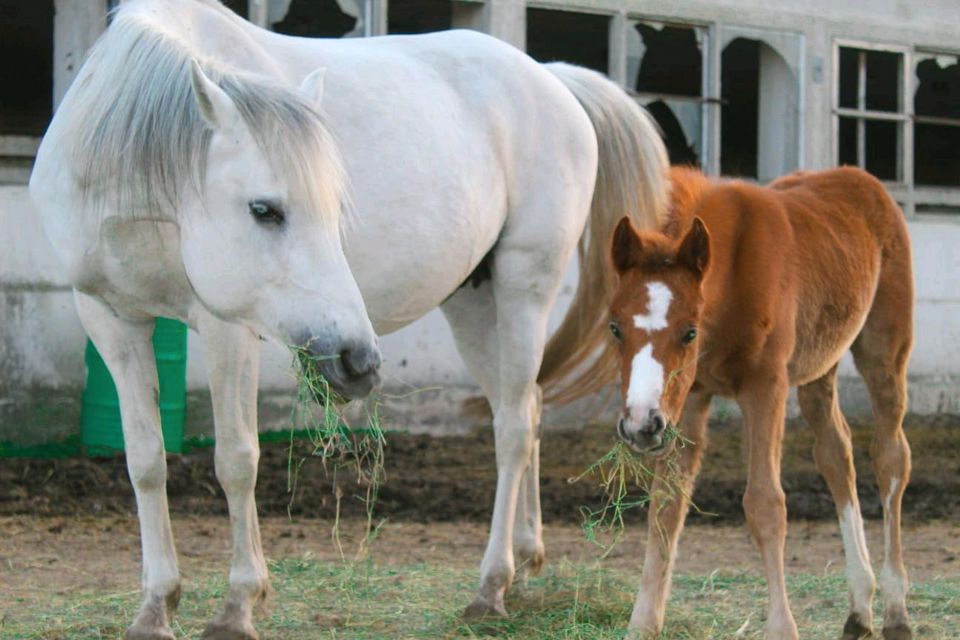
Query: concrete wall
41, 341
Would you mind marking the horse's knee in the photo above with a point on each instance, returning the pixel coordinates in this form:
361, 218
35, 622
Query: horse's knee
146, 462
236, 466
766, 510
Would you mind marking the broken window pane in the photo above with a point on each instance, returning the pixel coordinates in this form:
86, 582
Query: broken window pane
322, 18
240, 7
680, 122
740, 114
665, 59
26, 44
665, 62
418, 16
580, 38
936, 143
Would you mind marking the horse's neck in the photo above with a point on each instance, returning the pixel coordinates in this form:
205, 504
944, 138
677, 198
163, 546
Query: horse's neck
208, 31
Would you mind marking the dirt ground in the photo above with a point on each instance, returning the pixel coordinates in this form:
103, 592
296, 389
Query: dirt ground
62, 556
432, 479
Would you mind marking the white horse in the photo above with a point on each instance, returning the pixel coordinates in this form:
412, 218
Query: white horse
185, 175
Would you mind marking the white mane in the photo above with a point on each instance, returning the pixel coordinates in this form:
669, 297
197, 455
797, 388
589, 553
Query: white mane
141, 143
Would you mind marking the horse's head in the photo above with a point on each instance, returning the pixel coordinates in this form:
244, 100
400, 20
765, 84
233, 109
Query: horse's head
262, 243
654, 317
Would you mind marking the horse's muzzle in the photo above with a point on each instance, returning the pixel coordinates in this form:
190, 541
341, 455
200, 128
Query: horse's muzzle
645, 436
353, 372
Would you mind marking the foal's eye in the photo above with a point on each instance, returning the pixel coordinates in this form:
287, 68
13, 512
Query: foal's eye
689, 336
615, 330
266, 212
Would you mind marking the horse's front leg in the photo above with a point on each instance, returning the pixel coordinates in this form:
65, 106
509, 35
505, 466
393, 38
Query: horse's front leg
669, 502
232, 354
764, 405
127, 349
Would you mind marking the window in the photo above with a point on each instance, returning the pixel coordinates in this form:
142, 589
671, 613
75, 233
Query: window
26, 93
418, 16
665, 68
580, 38
870, 110
936, 134
323, 18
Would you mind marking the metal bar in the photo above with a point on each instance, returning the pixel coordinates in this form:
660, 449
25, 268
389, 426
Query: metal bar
872, 115
861, 106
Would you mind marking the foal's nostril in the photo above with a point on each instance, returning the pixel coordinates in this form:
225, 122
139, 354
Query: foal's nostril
655, 423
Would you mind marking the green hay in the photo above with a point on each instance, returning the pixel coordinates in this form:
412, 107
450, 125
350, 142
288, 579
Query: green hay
620, 470
358, 452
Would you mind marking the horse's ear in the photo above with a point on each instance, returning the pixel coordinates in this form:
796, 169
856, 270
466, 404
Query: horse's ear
626, 245
312, 86
216, 107
694, 252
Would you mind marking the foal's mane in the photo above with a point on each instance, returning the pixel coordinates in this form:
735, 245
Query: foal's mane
139, 142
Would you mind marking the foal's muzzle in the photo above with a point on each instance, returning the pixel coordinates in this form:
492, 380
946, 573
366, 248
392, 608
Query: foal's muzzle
645, 435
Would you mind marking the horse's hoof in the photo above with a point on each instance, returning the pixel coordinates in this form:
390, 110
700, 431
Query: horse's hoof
531, 564
481, 609
898, 632
232, 630
853, 629
140, 632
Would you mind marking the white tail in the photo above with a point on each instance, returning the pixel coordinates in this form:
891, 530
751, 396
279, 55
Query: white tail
632, 181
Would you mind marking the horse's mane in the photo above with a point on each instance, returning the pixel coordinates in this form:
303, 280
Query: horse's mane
139, 141
688, 185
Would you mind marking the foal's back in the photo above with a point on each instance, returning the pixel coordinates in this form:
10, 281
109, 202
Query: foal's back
796, 266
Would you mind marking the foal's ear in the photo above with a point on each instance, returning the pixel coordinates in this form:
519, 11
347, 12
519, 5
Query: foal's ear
626, 245
216, 107
694, 252
312, 86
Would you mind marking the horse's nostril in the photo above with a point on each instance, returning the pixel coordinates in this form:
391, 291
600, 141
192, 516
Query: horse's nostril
360, 362
655, 423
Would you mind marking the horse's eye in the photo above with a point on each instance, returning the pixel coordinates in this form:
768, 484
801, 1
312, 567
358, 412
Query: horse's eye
690, 335
615, 330
266, 212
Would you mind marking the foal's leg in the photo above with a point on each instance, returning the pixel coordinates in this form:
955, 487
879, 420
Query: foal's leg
472, 315
232, 354
833, 454
526, 277
127, 350
665, 520
881, 353
764, 408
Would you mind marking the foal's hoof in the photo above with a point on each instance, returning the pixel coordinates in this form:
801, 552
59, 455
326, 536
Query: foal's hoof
230, 630
481, 609
854, 630
899, 632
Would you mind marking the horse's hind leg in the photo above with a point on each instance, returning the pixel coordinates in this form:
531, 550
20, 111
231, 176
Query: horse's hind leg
232, 354
833, 453
881, 352
127, 349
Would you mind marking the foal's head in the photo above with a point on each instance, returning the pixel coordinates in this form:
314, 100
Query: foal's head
655, 317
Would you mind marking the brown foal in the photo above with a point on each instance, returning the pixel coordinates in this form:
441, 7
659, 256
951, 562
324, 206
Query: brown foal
743, 292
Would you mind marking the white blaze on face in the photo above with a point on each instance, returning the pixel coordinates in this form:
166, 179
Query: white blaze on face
659, 297
646, 374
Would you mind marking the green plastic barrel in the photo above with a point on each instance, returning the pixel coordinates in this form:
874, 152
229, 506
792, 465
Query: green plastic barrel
100, 427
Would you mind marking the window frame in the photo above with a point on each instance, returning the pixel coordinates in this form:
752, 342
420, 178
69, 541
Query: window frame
937, 201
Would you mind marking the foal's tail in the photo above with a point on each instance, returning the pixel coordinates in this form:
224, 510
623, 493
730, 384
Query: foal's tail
631, 181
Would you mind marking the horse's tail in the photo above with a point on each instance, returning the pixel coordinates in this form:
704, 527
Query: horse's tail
631, 181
